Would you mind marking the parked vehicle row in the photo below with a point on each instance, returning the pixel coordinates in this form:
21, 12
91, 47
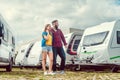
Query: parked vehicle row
97, 46
34, 56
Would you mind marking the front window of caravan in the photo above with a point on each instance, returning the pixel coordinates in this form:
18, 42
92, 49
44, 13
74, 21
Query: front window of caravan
95, 39
118, 37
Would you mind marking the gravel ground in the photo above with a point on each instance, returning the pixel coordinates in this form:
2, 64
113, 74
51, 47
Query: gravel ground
35, 74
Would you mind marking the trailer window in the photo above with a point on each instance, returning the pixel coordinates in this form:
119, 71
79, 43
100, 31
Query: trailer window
72, 47
13, 40
5, 33
1, 29
28, 52
95, 39
118, 37
75, 46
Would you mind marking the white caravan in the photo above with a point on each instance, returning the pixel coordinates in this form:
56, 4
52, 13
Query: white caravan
100, 45
73, 40
23, 54
34, 59
7, 45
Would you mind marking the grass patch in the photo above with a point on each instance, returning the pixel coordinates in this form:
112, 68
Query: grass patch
30, 74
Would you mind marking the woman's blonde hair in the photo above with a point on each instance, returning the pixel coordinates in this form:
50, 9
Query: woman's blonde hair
46, 26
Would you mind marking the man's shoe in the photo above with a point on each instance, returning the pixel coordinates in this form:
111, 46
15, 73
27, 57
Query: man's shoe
62, 72
55, 72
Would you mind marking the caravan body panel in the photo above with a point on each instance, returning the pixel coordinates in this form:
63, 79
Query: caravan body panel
35, 55
21, 54
96, 42
114, 46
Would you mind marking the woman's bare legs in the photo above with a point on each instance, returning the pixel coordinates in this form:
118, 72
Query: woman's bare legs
44, 56
50, 55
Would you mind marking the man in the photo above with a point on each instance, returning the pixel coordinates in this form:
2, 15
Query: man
58, 38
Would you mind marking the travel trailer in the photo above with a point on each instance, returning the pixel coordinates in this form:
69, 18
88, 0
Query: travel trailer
29, 55
100, 45
7, 45
73, 40
34, 59
23, 53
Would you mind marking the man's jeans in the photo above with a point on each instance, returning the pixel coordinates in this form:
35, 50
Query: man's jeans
61, 53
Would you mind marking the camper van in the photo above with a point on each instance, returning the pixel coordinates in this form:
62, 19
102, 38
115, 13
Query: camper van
7, 45
100, 45
23, 53
73, 40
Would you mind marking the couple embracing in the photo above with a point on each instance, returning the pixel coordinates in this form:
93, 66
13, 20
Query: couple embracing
52, 39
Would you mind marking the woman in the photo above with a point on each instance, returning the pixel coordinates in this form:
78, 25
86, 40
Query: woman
47, 50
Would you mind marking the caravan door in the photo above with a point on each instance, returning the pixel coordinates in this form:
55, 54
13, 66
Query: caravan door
114, 50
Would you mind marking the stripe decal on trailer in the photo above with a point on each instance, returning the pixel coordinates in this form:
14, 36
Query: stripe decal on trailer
115, 57
89, 52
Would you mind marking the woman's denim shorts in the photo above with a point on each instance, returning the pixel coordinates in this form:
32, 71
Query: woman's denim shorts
47, 49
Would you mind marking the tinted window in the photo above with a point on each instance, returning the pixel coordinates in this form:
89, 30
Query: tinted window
28, 52
94, 39
118, 37
0, 28
75, 46
13, 41
5, 33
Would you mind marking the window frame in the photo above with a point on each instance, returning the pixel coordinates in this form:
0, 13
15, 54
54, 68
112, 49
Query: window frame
5, 33
97, 43
118, 42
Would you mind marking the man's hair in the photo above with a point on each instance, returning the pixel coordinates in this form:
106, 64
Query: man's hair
54, 21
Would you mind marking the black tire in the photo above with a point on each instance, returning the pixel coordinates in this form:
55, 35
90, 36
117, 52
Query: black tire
9, 67
114, 69
21, 67
39, 67
77, 68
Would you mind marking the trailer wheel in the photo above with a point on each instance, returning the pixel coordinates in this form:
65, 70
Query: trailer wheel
9, 67
77, 68
21, 67
114, 69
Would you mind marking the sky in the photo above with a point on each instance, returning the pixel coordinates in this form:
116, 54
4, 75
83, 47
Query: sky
28, 17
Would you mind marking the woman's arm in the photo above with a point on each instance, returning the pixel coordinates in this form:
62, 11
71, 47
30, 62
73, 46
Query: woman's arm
46, 36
